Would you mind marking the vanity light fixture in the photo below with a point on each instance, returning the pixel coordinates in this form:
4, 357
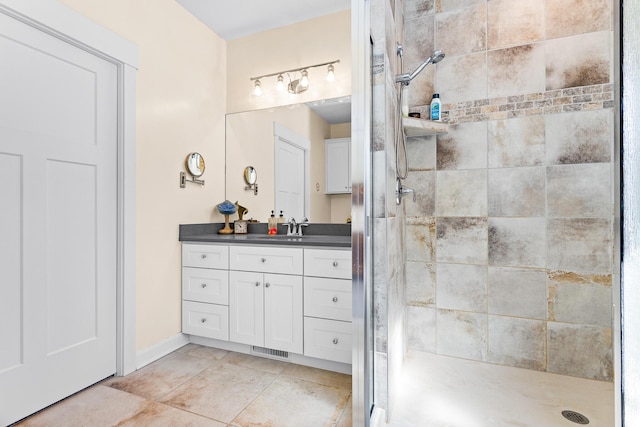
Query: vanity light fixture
296, 84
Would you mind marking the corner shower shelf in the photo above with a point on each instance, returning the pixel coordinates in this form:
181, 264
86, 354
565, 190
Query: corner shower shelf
421, 127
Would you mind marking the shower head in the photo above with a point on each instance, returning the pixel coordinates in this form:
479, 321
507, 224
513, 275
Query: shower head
406, 78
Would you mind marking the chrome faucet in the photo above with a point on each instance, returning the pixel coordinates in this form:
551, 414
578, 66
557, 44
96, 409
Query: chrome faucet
402, 191
292, 226
304, 223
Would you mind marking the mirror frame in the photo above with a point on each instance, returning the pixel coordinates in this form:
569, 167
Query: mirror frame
250, 175
194, 163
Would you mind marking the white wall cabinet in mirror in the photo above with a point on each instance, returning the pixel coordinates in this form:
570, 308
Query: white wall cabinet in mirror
338, 165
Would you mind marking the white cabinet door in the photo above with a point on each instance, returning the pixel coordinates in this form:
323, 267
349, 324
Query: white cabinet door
283, 321
246, 308
338, 166
58, 219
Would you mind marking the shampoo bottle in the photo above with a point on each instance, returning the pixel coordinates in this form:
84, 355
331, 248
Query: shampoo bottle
435, 107
405, 100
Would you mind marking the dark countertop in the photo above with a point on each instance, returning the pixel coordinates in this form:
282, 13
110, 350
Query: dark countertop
335, 235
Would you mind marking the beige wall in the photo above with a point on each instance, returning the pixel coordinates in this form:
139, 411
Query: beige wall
311, 42
181, 93
250, 142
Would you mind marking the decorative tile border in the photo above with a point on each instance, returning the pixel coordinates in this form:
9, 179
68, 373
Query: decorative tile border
594, 97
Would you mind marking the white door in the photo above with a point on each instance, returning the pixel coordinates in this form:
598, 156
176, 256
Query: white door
246, 307
58, 165
283, 312
291, 174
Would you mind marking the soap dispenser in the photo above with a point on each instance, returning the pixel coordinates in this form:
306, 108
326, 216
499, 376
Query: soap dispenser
272, 224
281, 218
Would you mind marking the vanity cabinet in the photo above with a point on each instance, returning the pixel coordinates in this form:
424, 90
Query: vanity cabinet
205, 290
327, 304
337, 165
265, 306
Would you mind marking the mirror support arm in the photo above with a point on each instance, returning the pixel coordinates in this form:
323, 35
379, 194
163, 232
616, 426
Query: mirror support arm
184, 180
253, 187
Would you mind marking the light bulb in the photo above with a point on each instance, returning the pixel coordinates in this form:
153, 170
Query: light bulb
257, 90
280, 84
331, 76
304, 81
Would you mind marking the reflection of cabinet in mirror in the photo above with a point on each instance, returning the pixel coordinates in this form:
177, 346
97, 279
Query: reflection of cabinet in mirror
338, 165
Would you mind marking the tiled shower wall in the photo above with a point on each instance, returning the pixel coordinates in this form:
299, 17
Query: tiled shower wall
509, 246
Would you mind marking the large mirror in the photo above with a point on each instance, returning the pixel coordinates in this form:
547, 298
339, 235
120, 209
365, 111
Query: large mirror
287, 145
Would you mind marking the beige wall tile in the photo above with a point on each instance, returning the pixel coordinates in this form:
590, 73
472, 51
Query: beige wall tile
579, 190
418, 41
421, 283
583, 299
451, 5
514, 22
517, 292
462, 78
461, 193
423, 183
579, 137
463, 147
517, 342
420, 239
580, 60
462, 31
516, 142
517, 192
580, 351
581, 245
421, 329
516, 70
421, 151
462, 334
462, 240
462, 287
569, 17
517, 242
414, 8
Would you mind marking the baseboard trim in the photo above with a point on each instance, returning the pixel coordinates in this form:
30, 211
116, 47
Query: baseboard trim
161, 349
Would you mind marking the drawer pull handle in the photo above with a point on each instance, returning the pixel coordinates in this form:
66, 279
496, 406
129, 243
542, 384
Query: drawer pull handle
335, 263
334, 299
204, 285
203, 256
335, 340
257, 283
263, 259
267, 285
203, 320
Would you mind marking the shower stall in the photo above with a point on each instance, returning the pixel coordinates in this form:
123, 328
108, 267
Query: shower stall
507, 263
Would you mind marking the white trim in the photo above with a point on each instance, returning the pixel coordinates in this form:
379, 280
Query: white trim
161, 349
60, 21
69, 26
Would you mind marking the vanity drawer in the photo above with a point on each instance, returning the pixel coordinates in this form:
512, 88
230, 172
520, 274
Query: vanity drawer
327, 263
205, 320
205, 256
327, 339
205, 285
327, 298
266, 259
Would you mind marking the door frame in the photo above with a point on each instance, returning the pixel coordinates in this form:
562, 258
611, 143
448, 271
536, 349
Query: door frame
57, 20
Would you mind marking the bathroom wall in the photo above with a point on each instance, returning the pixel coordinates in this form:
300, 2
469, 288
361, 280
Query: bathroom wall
388, 222
509, 245
180, 108
310, 42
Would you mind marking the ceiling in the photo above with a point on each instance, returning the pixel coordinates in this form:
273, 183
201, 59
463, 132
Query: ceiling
239, 18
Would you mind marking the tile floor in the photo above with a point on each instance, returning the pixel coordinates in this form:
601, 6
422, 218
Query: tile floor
203, 386
441, 391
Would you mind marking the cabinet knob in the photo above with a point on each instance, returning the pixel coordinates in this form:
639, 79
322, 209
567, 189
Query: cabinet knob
335, 340
203, 320
263, 259
334, 299
204, 285
203, 256
257, 283
335, 263
266, 285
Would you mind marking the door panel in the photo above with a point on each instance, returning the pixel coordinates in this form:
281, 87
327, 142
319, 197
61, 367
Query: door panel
283, 312
58, 161
246, 308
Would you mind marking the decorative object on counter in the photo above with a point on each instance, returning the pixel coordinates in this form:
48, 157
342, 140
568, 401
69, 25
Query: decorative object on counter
251, 178
194, 164
272, 227
241, 210
226, 208
241, 227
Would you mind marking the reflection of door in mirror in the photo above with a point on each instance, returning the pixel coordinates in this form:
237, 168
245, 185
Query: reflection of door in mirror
292, 154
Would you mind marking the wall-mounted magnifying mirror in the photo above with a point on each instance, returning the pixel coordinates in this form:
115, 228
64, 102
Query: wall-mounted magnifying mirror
251, 178
194, 163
